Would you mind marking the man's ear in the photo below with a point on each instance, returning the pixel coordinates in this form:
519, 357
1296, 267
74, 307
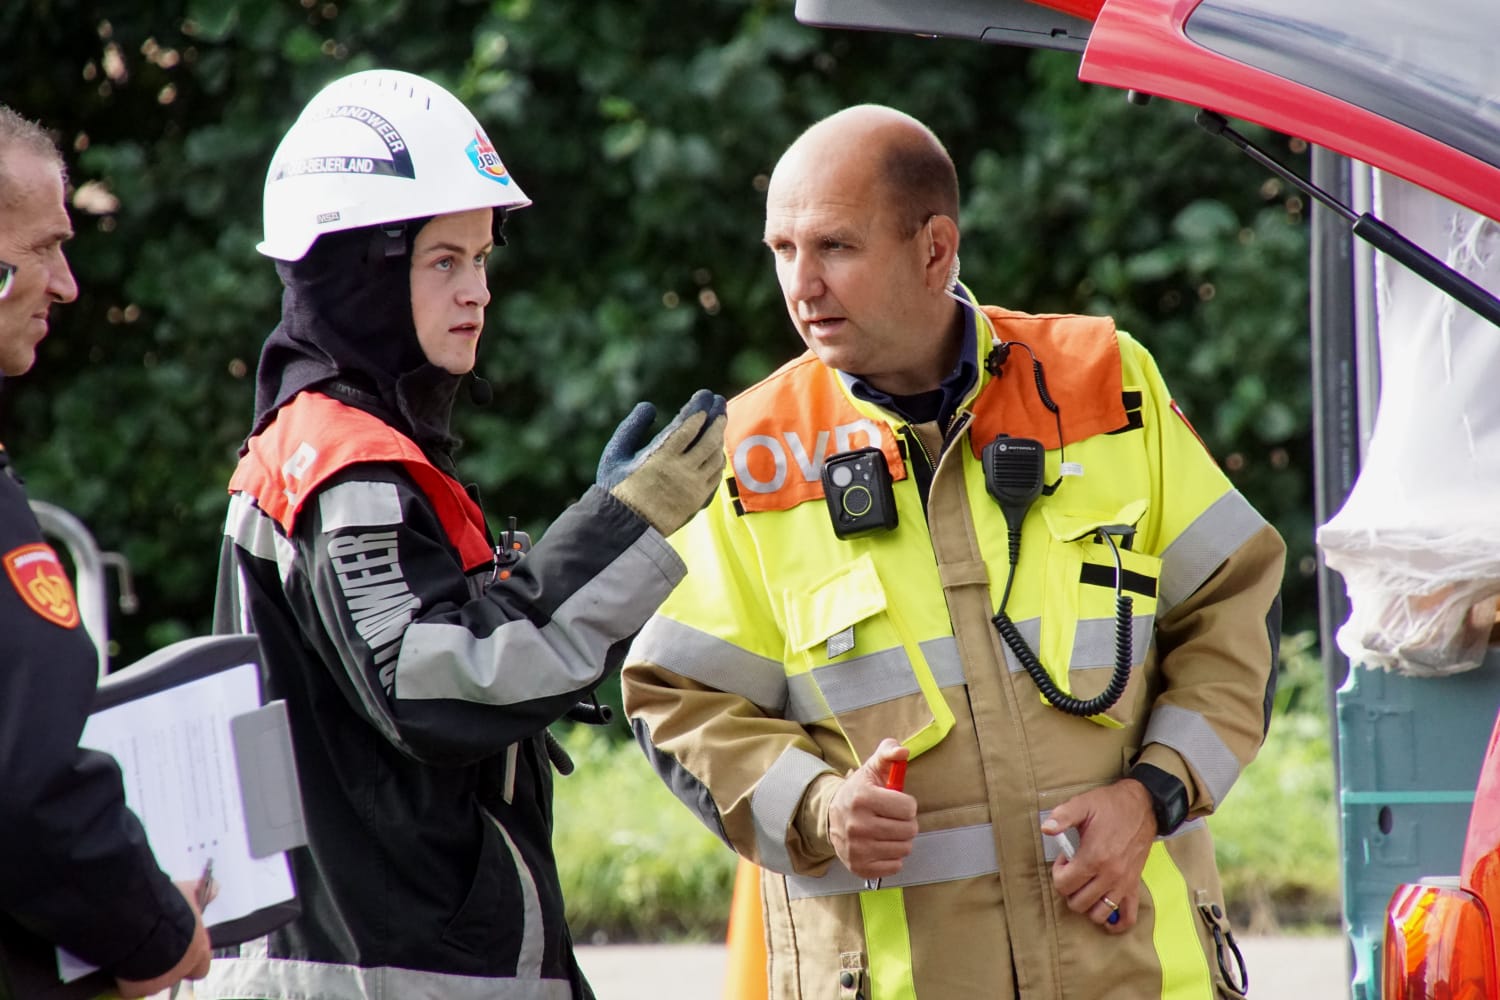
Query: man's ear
942, 252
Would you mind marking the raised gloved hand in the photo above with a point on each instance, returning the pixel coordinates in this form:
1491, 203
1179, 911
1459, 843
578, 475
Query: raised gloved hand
669, 478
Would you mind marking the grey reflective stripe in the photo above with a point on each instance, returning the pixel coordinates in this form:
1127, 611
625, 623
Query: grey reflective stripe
529, 952
804, 702
1031, 631
871, 680
238, 602
1191, 826
866, 680
1050, 849
440, 660
1191, 736
236, 978
774, 803
1094, 642
358, 505
512, 752
942, 659
937, 856
707, 659
253, 530
1203, 546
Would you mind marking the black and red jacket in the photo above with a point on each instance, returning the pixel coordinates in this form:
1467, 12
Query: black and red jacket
419, 687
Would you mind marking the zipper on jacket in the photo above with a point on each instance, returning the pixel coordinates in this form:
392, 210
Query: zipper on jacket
956, 427
923, 471
923, 468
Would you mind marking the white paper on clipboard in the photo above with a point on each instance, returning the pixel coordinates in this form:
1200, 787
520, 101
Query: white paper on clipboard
177, 757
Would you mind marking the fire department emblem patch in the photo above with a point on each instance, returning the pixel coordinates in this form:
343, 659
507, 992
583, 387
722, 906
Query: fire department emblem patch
39, 578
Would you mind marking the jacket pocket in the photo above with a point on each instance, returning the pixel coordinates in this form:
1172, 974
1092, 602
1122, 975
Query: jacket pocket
845, 635
484, 921
1085, 629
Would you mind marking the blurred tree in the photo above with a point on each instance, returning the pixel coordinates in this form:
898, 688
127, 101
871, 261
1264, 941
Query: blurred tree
645, 133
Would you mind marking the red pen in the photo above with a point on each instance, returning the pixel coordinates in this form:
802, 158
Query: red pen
895, 779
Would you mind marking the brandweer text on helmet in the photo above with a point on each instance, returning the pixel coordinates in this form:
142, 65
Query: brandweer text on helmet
382, 128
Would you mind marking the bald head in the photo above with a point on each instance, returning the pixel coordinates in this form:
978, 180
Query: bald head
885, 152
861, 219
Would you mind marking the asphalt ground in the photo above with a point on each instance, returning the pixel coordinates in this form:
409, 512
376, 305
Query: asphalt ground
1307, 968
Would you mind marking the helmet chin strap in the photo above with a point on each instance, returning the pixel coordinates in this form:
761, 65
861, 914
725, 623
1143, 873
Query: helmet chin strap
390, 240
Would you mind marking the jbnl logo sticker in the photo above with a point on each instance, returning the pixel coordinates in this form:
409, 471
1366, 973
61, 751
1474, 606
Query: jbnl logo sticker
482, 154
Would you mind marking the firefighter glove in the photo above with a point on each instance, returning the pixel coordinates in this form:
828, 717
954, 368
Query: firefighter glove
669, 478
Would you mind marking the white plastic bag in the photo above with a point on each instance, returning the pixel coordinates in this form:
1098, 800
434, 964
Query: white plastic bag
1418, 540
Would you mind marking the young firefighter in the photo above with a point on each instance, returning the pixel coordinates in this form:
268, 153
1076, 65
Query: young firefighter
419, 677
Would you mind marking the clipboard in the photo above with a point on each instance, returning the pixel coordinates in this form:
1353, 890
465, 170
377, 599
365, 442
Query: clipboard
262, 743
194, 711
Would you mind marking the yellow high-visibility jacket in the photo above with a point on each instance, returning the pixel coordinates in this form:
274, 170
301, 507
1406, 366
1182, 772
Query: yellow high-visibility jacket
788, 653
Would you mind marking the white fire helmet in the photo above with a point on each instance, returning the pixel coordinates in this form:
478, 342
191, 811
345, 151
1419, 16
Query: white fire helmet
378, 146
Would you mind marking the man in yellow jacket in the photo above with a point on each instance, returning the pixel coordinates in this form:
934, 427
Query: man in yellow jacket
985, 544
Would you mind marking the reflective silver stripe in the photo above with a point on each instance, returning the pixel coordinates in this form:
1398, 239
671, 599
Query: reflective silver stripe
241, 602
1031, 631
1094, 642
872, 679
1190, 735
937, 856
708, 659
1203, 546
804, 702
512, 753
529, 952
942, 659
358, 505
254, 531
1191, 826
439, 660
237, 978
1050, 850
774, 803
866, 680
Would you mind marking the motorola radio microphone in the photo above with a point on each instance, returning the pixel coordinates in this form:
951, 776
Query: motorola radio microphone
1014, 469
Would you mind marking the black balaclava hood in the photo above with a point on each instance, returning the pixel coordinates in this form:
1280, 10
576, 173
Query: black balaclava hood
346, 326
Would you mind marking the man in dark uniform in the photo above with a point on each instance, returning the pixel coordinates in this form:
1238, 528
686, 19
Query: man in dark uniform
75, 869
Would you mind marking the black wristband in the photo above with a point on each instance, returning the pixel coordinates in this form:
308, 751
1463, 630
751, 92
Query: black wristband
1169, 800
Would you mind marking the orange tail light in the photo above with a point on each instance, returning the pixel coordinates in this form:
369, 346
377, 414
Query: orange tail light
1438, 944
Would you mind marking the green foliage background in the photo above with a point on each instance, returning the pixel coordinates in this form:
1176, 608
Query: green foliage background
644, 131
